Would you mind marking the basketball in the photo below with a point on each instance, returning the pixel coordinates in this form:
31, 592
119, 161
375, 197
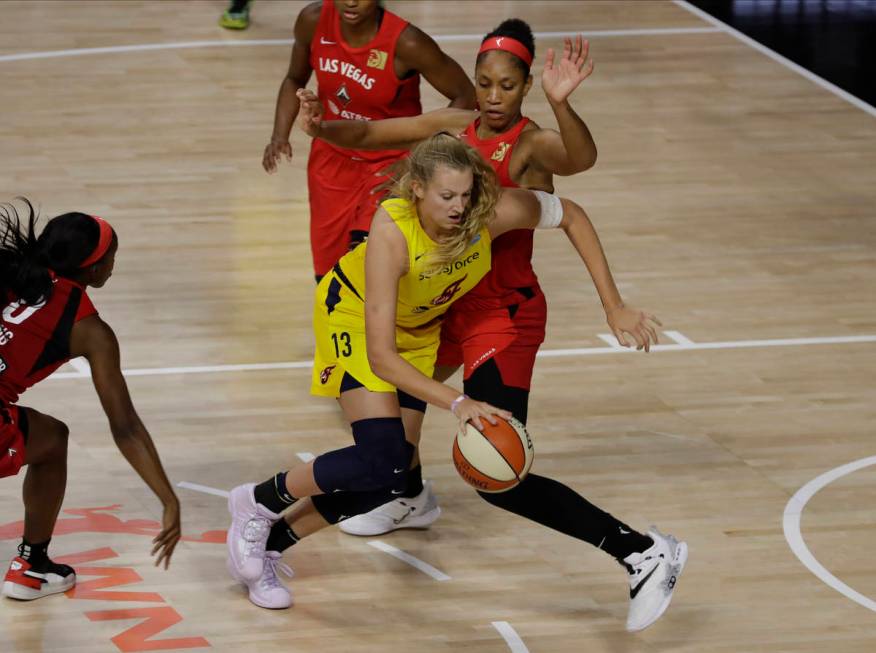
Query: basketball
495, 459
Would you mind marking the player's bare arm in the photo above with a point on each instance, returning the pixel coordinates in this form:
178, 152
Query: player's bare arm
417, 51
297, 77
95, 340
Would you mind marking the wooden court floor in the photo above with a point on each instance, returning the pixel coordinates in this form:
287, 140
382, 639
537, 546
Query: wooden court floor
735, 199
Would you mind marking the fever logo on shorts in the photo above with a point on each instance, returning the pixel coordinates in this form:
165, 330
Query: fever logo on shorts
377, 59
500, 152
448, 293
325, 374
343, 95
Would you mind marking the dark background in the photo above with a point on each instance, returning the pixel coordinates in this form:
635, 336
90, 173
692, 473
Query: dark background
835, 39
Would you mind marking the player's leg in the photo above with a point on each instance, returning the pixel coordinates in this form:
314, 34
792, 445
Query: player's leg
347, 482
653, 561
417, 506
32, 574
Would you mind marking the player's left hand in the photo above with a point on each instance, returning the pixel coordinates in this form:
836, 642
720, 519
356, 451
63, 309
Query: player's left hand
165, 542
561, 78
640, 325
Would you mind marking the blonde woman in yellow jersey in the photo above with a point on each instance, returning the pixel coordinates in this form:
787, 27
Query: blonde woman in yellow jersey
377, 326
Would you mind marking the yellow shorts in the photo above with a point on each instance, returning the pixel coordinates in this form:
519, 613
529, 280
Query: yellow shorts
339, 328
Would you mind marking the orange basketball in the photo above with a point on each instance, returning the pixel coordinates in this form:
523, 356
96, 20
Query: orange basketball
495, 459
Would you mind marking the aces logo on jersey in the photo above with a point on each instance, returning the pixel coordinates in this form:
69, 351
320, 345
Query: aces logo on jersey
377, 59
500, 152
343, 95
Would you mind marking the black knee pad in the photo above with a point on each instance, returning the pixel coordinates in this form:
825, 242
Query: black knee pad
382, 446
379, 459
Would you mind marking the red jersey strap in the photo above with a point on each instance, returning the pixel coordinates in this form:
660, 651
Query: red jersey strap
86, 308
497, 149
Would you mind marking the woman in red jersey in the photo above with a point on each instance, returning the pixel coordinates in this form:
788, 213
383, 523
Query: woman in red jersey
368, 63
48, 319
495, 330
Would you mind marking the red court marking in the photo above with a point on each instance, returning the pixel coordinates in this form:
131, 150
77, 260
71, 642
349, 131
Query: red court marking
137, 637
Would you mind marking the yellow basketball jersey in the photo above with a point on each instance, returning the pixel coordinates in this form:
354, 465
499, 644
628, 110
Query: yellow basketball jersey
423, 294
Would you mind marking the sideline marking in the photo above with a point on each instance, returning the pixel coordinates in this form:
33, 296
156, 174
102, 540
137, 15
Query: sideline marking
425, 567
544, 353
203, 488
305, 456
775, 56
791, 526
510, 636
445, 38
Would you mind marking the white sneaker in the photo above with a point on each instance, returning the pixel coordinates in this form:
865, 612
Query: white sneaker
420, 511
653, 575
250, 525
268, 591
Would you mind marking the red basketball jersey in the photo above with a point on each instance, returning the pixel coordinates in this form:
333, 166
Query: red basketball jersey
35, 340
512, 251
360, 83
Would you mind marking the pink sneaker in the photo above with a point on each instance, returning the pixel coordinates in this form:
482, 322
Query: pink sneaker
268, 591
250, 525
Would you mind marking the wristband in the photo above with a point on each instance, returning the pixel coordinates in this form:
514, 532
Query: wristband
456, 402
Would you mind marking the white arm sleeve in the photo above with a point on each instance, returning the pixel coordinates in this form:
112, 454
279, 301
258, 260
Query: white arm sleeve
551, 210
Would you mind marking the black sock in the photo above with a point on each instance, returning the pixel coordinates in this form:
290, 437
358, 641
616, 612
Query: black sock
281, 537
237, 6
557, 506
36, 553
273, 495
415, 482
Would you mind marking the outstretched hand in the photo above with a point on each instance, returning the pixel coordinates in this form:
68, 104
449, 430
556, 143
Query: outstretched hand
559, 79
640, 325
165, 542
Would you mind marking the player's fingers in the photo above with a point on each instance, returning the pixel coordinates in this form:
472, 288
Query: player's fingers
619, 336
549, 59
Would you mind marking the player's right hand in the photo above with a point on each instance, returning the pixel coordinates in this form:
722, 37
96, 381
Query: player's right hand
309, 112
273, 151
469, 410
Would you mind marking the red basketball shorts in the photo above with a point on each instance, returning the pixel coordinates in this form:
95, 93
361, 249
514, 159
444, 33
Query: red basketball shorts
511, 335
12, 427
344, 194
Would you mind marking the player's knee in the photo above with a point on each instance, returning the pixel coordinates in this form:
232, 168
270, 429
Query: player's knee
382, 446
59, 434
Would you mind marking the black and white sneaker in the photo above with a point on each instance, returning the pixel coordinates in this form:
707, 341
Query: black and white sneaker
26, 583
653, 576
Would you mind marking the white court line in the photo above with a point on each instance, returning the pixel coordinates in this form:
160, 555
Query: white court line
775, 56
305, 456
511, 637
425, 567
610, 339
206, 489
441, 38
791, 525
679, 338
544, 353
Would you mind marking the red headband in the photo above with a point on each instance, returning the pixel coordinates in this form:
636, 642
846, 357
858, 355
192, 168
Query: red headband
507, 44
103, 243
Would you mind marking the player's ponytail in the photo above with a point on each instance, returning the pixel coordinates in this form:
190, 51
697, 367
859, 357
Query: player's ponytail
445, 149
22, 275
27, 261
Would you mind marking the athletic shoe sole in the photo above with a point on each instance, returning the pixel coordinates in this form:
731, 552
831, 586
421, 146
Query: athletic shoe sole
23, 593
